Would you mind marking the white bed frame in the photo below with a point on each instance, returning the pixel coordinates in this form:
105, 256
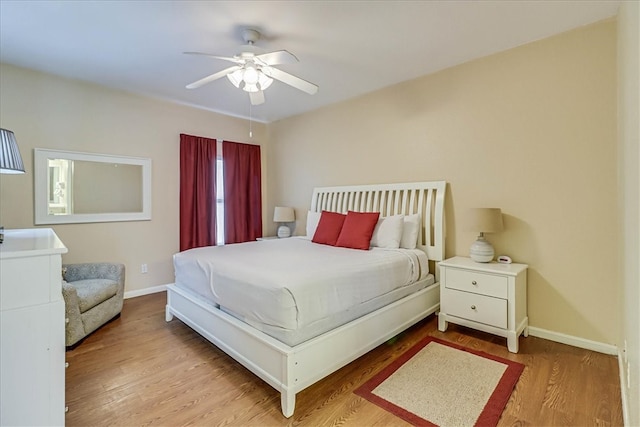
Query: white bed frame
292, 369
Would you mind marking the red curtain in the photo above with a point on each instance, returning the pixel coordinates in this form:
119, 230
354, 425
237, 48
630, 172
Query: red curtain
242, 192
197, 192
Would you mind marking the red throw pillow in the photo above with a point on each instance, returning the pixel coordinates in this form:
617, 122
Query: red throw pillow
357, 230
328, 228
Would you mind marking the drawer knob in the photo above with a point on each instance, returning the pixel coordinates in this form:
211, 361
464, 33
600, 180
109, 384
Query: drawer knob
66, 365
474, 283
66, 320
473, 307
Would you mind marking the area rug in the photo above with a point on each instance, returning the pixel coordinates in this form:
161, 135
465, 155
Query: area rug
437, 383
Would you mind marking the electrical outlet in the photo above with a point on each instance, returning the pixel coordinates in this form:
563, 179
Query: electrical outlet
144, 269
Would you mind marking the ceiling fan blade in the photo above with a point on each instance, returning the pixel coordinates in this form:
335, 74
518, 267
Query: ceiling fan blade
256, 98
225, 58
277, 57
213, 77
291, 80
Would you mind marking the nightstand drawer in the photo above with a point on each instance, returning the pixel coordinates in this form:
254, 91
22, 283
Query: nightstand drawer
479, 283
478, 308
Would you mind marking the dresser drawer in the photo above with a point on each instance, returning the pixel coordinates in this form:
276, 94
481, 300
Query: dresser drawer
26, 281
480, 283
478, 308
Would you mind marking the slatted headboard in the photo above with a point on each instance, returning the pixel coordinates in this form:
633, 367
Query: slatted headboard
425, 198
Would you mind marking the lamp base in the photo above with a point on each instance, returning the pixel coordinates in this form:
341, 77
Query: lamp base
481, 250
284, 231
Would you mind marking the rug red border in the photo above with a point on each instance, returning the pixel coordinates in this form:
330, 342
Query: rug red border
489, 415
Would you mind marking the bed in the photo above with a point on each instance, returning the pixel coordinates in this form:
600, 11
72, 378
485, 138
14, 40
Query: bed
292, 347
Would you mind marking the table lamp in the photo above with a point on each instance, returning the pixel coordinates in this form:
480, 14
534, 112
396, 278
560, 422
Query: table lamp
10, 159
484, 220
284, 214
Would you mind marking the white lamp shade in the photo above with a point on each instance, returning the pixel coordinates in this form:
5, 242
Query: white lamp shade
485, 220
10, 160
236, 77
284, 214
252, 80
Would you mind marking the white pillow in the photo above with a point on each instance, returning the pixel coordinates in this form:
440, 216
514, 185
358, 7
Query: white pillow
312, 223
410, 231
388, 232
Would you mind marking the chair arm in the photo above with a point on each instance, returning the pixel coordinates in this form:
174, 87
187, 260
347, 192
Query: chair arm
74, 328
104, 270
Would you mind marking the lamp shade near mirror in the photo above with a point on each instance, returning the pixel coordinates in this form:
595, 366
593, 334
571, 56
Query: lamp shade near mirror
484, 220
282, 215
10, 160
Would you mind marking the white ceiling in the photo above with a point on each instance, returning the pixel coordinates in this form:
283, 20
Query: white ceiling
348, 48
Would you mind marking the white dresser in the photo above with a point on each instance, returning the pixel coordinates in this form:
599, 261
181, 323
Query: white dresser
490, 297
32, 345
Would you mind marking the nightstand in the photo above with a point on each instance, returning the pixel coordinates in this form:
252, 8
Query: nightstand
490, 297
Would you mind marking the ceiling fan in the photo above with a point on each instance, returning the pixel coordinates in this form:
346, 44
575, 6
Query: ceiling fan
255, 73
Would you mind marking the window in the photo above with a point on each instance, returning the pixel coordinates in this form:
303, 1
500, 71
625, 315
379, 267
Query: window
219, 195
220, 192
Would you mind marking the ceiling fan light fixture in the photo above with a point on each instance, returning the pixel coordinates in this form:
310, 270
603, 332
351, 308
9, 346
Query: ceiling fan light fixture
264, 81
250, 75
236, 77
250, 88
255, 82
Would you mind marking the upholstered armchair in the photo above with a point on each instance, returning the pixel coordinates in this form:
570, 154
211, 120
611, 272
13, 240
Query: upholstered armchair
93, 294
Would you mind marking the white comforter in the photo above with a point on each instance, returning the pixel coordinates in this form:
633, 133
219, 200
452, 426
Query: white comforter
291, 283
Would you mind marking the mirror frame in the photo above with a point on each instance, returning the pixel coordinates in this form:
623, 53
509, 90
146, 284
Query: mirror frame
41, 193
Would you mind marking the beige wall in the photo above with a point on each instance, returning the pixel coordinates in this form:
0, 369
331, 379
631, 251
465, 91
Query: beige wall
531, 130
50, 112
629, 166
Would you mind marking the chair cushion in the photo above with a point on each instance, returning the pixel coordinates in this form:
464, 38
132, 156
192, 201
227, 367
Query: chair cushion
92, 292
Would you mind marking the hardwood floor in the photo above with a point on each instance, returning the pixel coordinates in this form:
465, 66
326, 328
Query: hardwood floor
139, 370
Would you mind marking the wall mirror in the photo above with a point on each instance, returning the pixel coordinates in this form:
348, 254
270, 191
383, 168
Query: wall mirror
72, 187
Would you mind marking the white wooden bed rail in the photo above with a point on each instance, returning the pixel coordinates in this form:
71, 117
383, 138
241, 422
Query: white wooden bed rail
292, 369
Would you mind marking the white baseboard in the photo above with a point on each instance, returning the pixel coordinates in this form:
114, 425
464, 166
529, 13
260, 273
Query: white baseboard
623, 389
574, 341
145, 291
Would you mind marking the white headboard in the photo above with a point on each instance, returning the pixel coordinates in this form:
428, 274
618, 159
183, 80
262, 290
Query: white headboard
425, 198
